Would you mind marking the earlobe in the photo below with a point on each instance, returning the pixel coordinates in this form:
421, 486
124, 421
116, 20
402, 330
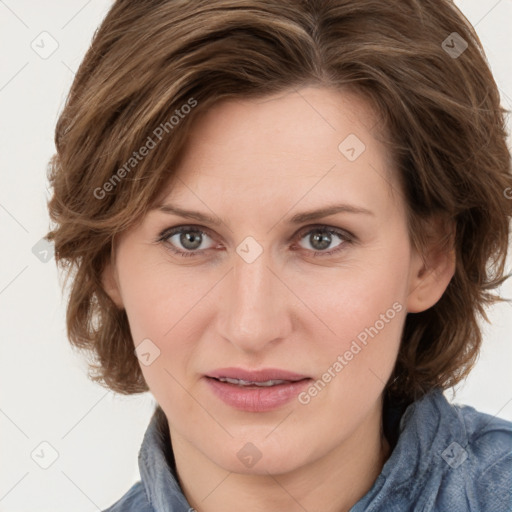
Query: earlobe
111, 285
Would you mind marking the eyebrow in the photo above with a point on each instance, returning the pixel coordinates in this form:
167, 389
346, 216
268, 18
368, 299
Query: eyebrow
296, 219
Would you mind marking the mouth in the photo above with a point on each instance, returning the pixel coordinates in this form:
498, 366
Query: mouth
262, 376
256, 391
248, 383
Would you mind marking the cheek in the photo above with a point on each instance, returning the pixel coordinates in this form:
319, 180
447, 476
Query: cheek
169, 309
148, 307
155, 295
344, 302
365, 330
354, 364
359, 315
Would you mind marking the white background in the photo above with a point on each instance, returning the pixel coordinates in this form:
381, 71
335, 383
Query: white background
45, 393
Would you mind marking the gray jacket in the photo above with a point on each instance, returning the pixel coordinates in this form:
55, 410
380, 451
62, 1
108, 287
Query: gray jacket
447, 458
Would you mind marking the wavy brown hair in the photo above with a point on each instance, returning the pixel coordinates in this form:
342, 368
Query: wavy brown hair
440, 114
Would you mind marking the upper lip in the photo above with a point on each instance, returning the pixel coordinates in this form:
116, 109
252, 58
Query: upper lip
262, 375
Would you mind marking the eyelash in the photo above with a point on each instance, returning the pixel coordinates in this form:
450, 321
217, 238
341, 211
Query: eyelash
345, 236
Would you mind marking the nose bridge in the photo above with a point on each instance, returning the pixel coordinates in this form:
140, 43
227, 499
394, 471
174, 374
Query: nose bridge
255, 314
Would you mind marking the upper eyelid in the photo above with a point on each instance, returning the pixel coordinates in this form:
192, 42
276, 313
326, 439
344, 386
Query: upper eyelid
166, 233
325, 227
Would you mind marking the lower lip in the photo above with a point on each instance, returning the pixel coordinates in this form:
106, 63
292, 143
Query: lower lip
256, 399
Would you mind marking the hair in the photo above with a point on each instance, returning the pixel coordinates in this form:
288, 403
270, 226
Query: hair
154, 66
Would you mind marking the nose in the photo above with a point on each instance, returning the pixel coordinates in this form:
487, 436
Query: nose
254, 307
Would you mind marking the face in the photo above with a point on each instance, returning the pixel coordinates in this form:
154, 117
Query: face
320, 300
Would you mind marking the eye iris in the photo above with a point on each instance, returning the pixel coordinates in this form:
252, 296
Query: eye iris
194, 239
319, 236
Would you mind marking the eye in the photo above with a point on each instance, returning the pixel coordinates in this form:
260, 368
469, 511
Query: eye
188, 240
188, 237
321, 237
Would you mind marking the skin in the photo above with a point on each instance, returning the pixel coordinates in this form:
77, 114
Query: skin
254, 164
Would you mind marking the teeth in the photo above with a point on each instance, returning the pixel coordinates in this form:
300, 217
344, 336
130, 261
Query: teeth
241, 382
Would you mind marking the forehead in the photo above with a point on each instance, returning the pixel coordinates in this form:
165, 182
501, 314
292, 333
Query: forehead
312, 144
308, 121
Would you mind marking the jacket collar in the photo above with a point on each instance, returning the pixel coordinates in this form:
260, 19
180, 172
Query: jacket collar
426, 429
157, 470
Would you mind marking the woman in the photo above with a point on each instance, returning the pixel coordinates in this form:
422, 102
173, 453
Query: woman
284, 220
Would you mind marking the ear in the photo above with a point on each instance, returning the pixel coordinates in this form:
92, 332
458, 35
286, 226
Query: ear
110, 284
432, 268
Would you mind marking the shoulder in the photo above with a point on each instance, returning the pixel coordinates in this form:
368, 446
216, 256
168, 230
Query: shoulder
448, 457
489, 458
133, 501
473, 456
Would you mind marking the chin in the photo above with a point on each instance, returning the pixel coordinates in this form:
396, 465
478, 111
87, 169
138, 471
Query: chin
260, 457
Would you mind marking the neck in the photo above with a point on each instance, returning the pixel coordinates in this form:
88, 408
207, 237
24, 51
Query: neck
333, 482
